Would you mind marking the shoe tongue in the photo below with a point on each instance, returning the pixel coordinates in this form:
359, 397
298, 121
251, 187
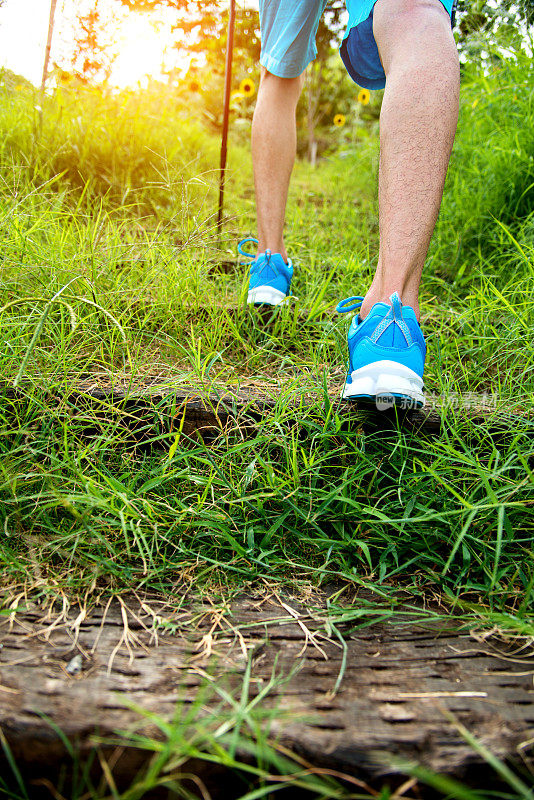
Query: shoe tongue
396, 304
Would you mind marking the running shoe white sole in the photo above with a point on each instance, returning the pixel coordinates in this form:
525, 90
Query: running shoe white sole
388, 383
266, 295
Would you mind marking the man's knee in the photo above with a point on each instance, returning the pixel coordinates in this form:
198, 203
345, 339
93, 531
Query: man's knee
284, 90
422, 25
411, 12
287, 84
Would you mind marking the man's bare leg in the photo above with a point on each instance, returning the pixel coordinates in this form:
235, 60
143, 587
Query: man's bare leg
274, 143
417, 127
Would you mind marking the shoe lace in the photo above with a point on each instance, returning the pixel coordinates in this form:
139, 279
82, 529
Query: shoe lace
255, 266
394, 316
355, 303
244, 252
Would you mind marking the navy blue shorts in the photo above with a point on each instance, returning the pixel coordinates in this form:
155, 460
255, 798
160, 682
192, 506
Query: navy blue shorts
288, 30
359, 51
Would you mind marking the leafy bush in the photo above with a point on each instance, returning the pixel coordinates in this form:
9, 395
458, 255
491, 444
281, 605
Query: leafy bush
140, 149
491, 176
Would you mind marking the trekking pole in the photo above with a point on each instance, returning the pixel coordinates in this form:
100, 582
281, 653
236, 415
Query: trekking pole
226, 114
48, 47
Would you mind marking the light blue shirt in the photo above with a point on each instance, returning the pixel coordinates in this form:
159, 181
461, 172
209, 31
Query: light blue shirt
359, 10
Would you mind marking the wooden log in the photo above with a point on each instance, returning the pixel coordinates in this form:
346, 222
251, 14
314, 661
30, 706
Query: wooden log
396, 681
152, 407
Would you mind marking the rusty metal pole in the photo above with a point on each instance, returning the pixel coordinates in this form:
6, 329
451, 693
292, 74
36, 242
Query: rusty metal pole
226, 114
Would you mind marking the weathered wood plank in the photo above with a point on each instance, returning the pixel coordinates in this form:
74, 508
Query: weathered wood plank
396, 681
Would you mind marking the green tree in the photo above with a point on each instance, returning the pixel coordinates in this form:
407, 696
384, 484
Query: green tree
93, 55
486, 30
202, 30
203, 27
323, 85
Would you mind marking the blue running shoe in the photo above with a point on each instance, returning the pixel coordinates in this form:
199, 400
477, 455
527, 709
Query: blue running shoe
270, 277
386, 355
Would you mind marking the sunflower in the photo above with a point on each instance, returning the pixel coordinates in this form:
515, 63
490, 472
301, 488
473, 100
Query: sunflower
247, 87
364, 95
194, 86
339, 120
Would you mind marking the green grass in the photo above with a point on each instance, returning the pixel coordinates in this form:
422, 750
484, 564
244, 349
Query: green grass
107, 273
